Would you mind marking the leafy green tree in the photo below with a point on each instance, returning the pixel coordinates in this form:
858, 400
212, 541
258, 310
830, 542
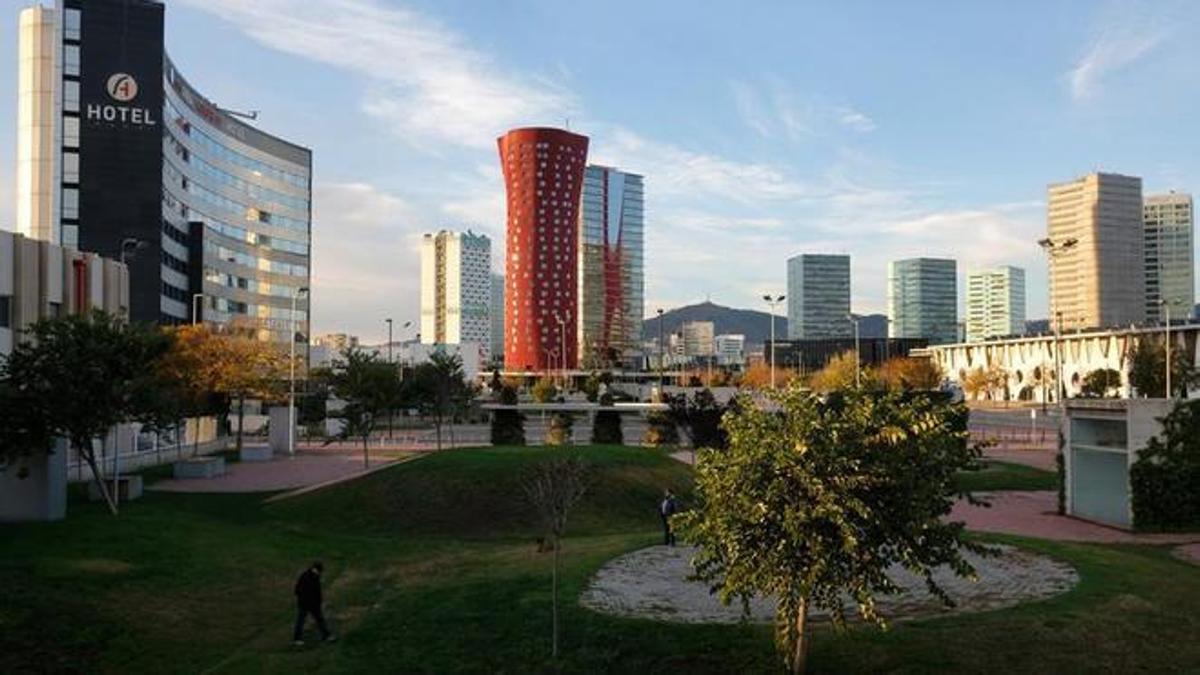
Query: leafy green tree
1165, 479
1147, 369
80, 376
699, 417
440, 390
817, 497
368, 387
1101, 383
508, 426
25, 428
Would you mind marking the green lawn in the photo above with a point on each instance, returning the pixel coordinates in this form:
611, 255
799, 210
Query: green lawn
432, 567
994, 475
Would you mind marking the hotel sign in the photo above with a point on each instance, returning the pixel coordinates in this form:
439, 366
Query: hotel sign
122, 88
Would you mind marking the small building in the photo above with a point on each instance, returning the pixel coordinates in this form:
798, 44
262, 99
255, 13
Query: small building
1103, 439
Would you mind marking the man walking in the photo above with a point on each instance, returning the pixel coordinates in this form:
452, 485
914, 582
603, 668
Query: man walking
667, 509
308, 601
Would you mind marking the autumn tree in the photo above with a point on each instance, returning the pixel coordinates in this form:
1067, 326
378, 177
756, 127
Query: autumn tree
907, 373
840, 373
758, 376
818, 497
985, 383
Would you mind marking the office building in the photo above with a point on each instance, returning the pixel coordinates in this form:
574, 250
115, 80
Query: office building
812, 354
611, 282
543, 178
922, 299
1169, 246
1099, 281
995, 303
730, 349
40, 280
336, 342
818, 296
118, 152
697, 339
496, 347
456, 288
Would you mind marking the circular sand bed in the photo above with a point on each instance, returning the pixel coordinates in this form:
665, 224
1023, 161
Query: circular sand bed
652, 583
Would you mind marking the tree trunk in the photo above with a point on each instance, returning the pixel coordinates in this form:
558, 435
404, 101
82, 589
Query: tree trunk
451, 430
196, 439
437, 428
241, 416
798, 659
366, 456
98, 477
554, 602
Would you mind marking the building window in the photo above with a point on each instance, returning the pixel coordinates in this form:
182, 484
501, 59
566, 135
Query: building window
70, 132
70, 236
70, 91
5, 311
70, 172
70, 203
71, 60
71, 24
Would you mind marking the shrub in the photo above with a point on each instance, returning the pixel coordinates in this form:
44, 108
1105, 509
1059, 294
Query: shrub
559, 432
1165, 479
508, 426
544, 390
606, 428
661, 430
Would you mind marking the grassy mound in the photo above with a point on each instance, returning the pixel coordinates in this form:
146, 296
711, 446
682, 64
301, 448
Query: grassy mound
476, 494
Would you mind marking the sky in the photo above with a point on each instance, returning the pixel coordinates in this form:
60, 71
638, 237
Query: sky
764, 129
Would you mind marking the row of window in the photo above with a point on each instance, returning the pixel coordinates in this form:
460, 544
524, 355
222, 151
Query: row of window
232, 231
254, 262
222, 202
219, 177
251, 285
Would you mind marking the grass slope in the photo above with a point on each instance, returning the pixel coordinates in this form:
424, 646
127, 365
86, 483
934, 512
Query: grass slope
995, 475
432, 568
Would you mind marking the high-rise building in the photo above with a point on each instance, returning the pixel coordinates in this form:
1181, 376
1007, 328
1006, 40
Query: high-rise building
923, 299
456, 288
1170, 256
995, 303
543, 177
697, 338
731, 349
119, 155
818, 296
496, 348
611, 285
1099, 281
336, 342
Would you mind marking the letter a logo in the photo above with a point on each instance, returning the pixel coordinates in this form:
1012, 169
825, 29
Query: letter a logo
122, 87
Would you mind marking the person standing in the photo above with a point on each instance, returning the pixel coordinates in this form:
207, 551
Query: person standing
309, 601
667, 509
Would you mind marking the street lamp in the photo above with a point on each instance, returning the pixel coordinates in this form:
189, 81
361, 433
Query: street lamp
661, 356
292, 376
773, 302
562, 340
1167, 308
1054, 249
857, 352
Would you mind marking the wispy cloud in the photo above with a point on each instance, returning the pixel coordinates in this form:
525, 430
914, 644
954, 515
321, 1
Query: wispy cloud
1124, 37
853, 119
773, 109
423, 80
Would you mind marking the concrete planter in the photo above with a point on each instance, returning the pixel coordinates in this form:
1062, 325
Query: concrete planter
41, 494
200, 467
128, 487
256, 453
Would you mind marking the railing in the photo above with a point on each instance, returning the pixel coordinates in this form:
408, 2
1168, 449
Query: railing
147, 451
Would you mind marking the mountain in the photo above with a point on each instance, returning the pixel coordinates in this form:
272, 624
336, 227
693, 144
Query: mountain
755, 325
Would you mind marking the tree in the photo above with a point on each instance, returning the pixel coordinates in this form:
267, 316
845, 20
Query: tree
368, 387
80, 376
1165, 480
758, 376
1147, 369
817, 497
508, 426
440, 390
544, 390
699, 417
1101, 383
552, 488
840, 374
907, 373
606, 428
261, 371
985, 383
25, 428
660, 429
200, 363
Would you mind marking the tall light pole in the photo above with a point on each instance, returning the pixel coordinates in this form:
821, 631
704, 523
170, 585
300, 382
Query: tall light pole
389, 349
857, 353
1060, 389
1055, 248
661, 352
773, 302
292, 376
1167, 308
562, 341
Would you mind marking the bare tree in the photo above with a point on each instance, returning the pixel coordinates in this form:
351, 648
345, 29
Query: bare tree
552, 488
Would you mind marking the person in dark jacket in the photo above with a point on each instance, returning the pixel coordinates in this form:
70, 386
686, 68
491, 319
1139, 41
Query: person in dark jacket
309, 601
667, 509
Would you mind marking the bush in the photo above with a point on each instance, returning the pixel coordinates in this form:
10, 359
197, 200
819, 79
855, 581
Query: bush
1165, 479
606, 429
559, 432
661, 430
544, 390
508, 426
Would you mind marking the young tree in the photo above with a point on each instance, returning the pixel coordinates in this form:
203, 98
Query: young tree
80, 376
840, 373
985, 383
817, 497
552, 488
200, 362
1101, 383
368, 386
441, 390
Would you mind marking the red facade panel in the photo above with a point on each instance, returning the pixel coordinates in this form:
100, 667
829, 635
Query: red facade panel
543, 177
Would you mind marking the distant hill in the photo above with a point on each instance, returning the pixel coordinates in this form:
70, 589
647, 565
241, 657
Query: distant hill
755, 325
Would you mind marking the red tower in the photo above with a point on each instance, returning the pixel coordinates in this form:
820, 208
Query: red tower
543, 176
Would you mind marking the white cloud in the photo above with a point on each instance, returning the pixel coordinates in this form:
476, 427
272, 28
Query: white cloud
853, 119
424, 81
1124, 38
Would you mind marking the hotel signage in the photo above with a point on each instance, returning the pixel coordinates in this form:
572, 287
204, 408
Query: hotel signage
122, 88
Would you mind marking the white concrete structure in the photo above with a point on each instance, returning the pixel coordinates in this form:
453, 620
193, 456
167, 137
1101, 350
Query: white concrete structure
1170, 256
38, 77
456, 288
1030, 362
1099, 281
731, 349
473, 354
995, 303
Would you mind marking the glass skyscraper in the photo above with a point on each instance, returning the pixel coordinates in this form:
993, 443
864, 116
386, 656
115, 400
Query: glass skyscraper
818, 296
923, 299
1170, 256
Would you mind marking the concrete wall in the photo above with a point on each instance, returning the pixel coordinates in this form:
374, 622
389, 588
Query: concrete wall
41, 495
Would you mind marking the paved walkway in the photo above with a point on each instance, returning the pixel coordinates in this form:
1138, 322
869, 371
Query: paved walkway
1189, 552
1034, 514
310, 466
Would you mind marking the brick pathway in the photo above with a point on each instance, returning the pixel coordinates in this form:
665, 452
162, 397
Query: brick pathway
310, 466
1034, 514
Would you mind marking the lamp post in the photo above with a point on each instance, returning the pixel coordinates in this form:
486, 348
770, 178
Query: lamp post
1055, 248
773, 302
1167, 308
292, 376
1060, 389
857, 353
661, 356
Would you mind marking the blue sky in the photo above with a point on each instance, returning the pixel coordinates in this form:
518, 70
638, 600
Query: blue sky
878, 129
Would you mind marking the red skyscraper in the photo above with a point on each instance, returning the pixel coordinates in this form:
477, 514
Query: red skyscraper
543, 176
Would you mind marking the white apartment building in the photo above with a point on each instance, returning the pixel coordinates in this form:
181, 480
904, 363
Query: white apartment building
1170, 256
497, 309
995, 303
456, 288
731, 349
